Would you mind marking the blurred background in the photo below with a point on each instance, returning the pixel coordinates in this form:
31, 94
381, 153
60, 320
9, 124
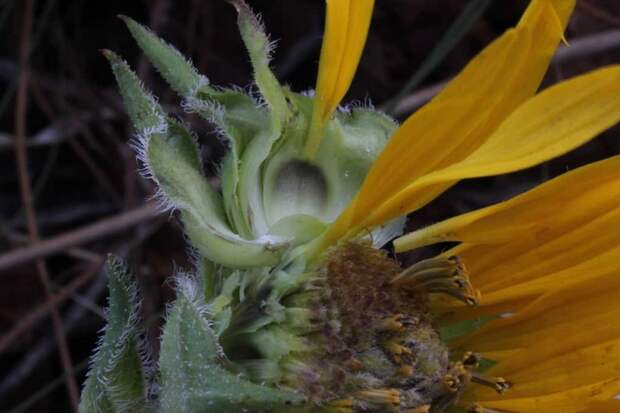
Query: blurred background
69, 188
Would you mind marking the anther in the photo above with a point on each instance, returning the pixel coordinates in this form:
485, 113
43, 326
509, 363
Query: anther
405, 371
400, 353
498, 383
384, 397
451, 382
457, 377
340, 409
355, 365
476, 408
342, 403
471, 360
422, 409
397, 349
395, 323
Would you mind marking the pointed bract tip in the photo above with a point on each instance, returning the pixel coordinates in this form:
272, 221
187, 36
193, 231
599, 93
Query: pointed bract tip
129, 22
124, 18
238, 4
109, 54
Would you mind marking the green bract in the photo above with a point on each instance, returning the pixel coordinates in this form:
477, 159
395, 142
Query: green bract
271, 198
251, 291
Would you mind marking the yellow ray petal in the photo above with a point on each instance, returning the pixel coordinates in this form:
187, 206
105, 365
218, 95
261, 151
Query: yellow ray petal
464, 114
553, 252
609, 406
540, 286
346, 29
452, 310
547, 249
555, 259
551, 244
533, 210
547, 275
499, 355
587, 365
538, 292
586, 317
571, 401
548, 125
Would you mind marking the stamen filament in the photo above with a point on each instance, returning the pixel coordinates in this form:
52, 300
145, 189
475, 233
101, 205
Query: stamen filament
405, 371
386, 397
437, 267
498, 383
439, 275
472, 299
397, 348
396, 323
471, 360
342, 403
422, 409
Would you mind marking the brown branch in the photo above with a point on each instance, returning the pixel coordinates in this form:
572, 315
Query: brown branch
598, 13
26, 194
40, 312
74, 314
577, 49
100, 229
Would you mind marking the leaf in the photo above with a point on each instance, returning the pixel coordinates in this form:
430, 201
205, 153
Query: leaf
193, 378
116, 380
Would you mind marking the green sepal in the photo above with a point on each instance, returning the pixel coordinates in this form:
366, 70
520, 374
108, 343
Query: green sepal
193, 376
116, 380
171, 64
172, 159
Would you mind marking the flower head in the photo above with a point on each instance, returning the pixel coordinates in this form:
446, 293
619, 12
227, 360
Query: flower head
295, 307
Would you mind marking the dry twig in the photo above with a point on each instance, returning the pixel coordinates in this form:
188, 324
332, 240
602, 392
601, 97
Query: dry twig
98, 230
54, 301
598, 13
578, 49
26, 194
